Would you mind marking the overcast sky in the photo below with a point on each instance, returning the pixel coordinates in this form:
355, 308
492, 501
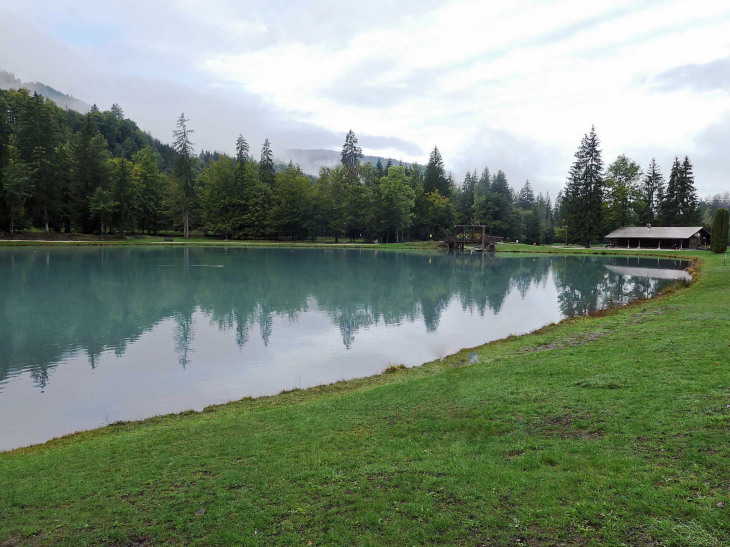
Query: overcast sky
512, 85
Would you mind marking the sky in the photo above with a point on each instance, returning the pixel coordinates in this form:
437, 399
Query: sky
510, 85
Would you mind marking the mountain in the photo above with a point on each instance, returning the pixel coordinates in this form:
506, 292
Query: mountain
311, 160
9, 81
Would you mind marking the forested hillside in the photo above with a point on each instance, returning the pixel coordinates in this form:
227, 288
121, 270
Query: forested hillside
9, 81
62, 171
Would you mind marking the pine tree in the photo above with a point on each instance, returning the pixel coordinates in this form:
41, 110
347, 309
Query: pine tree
241, 149
670, 202
183, 170
483, 184
652, 188
688, 201
584, 191
526, 198
435, 178
267, 172
351, 152
379, 172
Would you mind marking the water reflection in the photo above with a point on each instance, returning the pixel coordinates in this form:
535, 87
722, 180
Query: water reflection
58, 301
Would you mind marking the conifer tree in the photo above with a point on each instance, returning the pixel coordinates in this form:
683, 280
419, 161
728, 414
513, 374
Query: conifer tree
435, 177
379, 172
482, 185
670, 203
351, 152
241, 149
183, 170
584, 191
652, 188
688, 201
526, 198
267, 172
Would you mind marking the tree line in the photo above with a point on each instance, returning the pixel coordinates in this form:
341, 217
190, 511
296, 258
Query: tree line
62, 171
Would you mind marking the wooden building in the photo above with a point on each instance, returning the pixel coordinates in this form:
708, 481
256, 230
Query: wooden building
670, 237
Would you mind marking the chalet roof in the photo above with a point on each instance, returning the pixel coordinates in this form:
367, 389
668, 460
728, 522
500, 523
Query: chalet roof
662, 232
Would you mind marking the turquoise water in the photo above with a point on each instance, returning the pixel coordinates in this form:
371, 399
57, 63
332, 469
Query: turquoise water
93, 335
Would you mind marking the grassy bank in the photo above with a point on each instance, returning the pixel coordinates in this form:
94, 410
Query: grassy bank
85, 240
607, 430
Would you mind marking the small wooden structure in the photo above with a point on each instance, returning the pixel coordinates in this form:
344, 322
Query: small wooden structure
669, 237
478, 237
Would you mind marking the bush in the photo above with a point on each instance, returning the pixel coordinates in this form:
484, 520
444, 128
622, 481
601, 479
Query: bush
720, 231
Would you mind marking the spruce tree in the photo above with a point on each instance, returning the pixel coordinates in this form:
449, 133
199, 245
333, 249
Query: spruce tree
183, 170
435, 177
379, 173
652, 189
526, 197
241, 149
688, 201
351, 152
670, 203
267, 172
584, 191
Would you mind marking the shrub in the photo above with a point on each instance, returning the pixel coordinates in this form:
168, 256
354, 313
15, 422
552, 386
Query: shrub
720, 229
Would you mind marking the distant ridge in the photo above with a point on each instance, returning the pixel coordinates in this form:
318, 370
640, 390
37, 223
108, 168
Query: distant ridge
9, 81
311, 160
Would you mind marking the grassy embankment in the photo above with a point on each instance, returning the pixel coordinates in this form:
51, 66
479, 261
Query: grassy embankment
40, 239
607, 430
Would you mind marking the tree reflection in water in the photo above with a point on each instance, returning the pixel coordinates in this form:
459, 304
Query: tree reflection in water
57, 301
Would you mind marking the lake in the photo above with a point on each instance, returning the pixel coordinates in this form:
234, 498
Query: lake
93, 335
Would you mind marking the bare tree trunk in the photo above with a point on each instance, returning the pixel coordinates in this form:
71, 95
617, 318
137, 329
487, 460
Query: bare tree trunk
45, 220
186, 217
102, 228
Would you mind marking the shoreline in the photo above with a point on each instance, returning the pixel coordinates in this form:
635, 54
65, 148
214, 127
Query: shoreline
694, 270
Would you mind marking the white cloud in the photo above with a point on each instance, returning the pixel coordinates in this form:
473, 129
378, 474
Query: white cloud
473, 77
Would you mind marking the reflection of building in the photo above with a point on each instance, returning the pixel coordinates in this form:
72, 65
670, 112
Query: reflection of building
655, 273
674, 237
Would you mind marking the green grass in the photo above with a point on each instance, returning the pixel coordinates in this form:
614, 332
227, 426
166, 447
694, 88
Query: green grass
606, 430
36, 239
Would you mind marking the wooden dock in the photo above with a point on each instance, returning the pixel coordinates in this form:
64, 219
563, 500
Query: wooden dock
478, 237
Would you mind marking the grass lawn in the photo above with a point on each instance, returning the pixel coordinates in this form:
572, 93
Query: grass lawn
31, 239
607, 430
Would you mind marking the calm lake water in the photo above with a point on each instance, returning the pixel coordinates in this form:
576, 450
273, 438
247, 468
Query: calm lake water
92, 335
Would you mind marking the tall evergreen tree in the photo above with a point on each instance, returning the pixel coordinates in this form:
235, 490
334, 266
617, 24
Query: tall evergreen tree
435, 176
652, 188
670, 205
241, 149
526, 197
688, 201
267, 172
183, 170
584, 191
351, 152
